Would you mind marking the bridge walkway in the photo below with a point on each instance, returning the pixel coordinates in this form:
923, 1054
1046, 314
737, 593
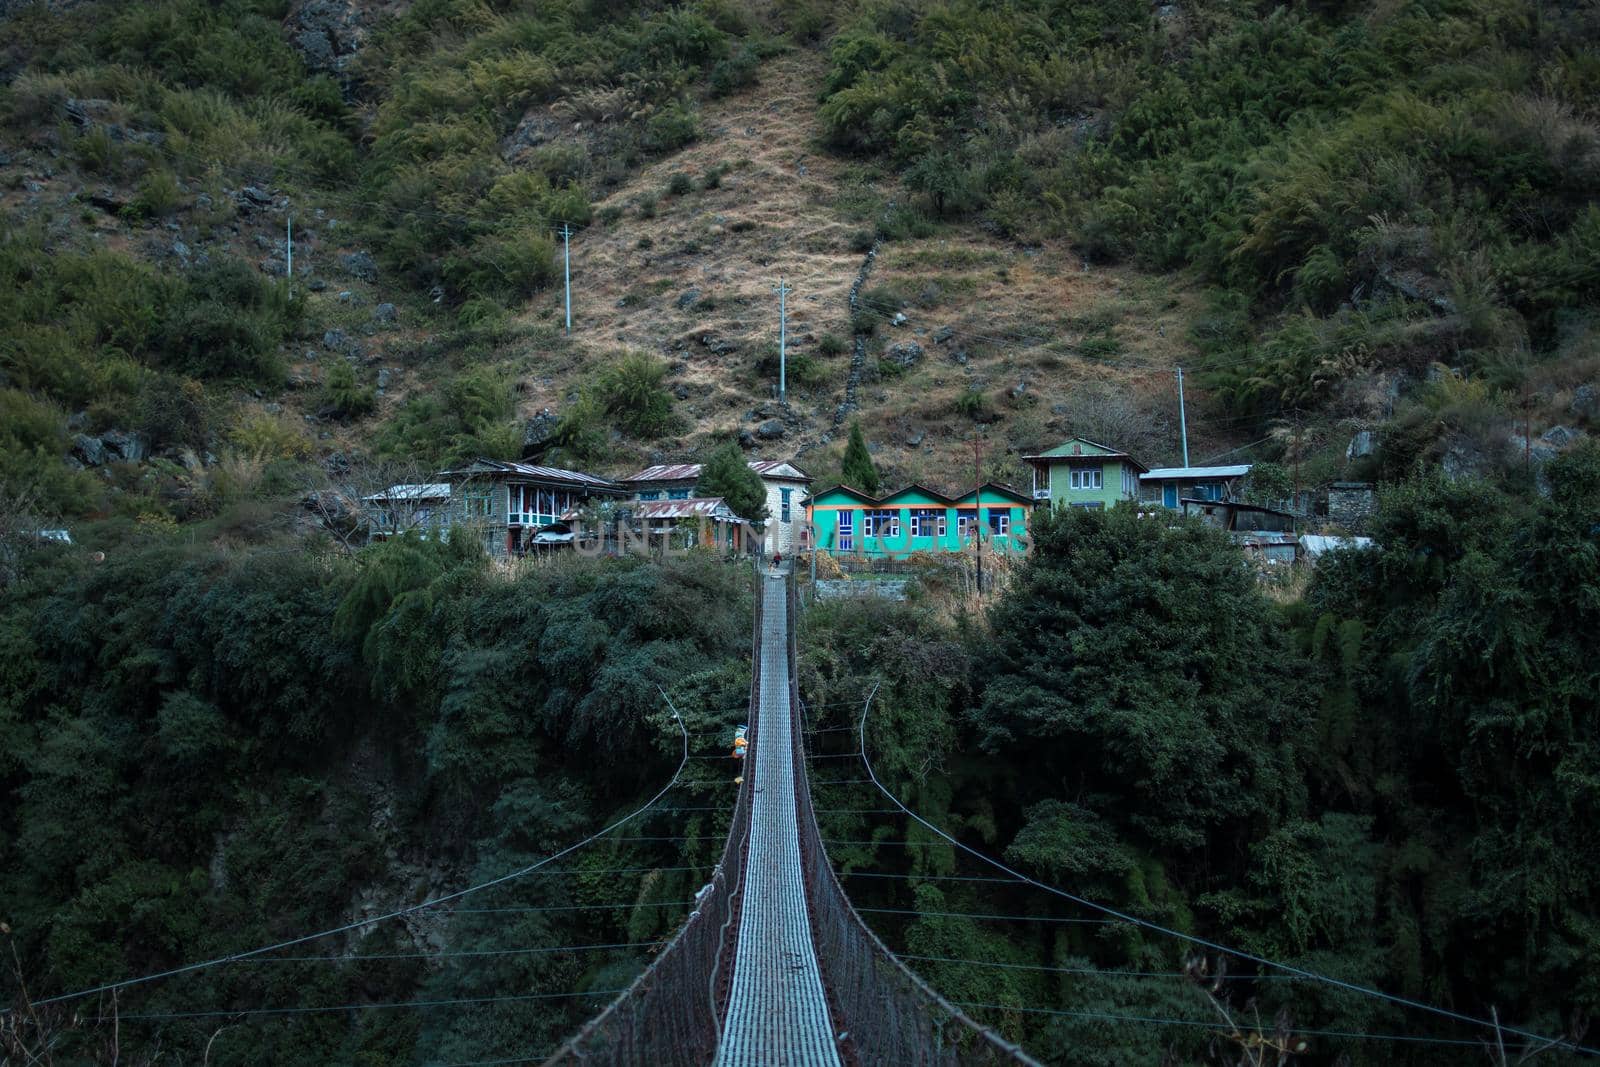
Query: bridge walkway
777, 1010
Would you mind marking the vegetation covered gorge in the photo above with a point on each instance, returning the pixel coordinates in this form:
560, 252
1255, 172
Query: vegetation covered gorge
204, 752
1389, 780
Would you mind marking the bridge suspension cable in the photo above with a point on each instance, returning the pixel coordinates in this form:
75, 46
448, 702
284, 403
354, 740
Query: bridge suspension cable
398, 913
1124, 917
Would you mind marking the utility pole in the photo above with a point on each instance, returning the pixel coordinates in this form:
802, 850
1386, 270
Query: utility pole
1295, 503
566, 269
1183, 422
1527, 434
977, 502
783, 292
290, 272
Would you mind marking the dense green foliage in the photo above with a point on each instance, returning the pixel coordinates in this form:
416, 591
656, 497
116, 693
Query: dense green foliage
726, 474
130, 348
203, 752
1385, 782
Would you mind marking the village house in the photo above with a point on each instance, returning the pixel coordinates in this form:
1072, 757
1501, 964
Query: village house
849, 522
403, 508
688, 522
1169, 486
521, 506
1082, 474
1263, 532
785, 485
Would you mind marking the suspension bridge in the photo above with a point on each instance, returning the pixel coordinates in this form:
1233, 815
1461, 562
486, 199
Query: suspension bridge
773, 964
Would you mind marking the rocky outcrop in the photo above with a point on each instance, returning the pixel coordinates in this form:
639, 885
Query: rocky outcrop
329, 33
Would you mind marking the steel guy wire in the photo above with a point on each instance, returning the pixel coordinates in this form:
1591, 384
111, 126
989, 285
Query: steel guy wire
928, 877
521, 908
1100, 970
320, 1009
453, 953
1209, 1025
992, 918
1203, 942
395, 914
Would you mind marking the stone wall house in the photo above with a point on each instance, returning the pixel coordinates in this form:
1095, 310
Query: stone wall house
1351, 505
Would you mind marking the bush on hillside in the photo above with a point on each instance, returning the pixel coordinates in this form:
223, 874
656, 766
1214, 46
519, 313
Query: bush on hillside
631, 392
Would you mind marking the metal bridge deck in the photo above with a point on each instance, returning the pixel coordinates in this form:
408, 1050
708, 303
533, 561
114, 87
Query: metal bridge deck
777, 1011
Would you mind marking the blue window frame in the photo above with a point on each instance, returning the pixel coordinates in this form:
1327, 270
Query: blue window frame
678, 494
783, 515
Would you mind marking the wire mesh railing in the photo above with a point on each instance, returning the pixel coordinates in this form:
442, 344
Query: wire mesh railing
886, 1013
671, 1015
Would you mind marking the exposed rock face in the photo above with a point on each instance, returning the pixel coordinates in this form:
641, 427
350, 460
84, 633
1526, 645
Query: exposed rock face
1560, 436
329, 33
360, 265
90, 450
130, 447
1586, 403
538, 430
770, 430
1362, 444
385, 314
537, 128
906, 353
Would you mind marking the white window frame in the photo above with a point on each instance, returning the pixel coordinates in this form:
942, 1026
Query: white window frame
1000, 523
943, 523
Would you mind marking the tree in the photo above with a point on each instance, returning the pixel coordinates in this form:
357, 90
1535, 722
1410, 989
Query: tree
1140, 661
727, 475
858, 468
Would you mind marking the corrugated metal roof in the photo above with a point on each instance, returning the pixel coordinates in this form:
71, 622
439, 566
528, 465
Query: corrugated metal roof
764, 467
1317, 544
1237, 470
529, 470
429, 491
694, 508
666, 472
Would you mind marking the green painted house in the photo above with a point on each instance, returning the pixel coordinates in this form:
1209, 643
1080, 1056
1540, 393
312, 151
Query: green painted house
1082, 474
847, 522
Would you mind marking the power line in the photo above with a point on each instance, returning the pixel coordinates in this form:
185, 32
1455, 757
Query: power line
926, 877
453, 954
1101, 971
519, 909
319, 1009
1193, 939
993, 918
1206, 1024
397, 913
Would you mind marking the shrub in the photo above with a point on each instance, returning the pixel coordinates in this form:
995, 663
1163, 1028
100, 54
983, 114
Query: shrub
175, 411
975, 405
647, 206
158, 195
679, 184
830, 345
265, 438
344, 394
738, 71
506, 266
670, 128
631, 392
